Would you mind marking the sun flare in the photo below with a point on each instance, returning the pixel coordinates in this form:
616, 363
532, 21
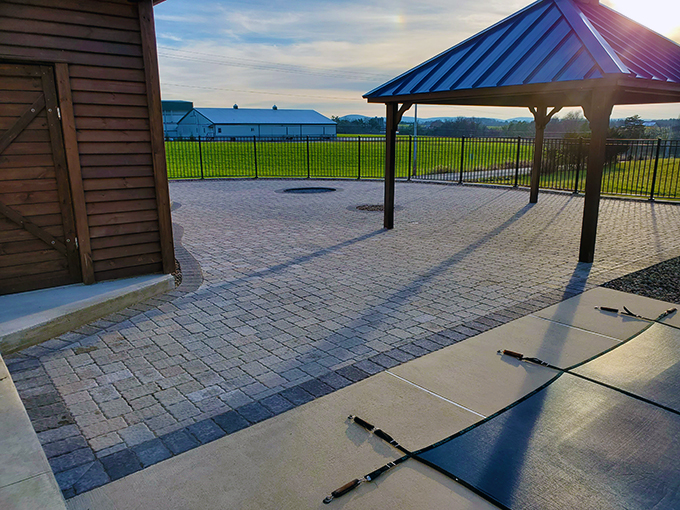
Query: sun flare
662, 16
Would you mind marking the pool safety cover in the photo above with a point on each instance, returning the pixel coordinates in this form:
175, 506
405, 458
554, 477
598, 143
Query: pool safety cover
606, 436
647, 366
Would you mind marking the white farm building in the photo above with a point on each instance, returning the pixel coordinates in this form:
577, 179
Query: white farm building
236, 122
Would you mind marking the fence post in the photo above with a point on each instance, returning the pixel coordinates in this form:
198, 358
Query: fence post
656, 166
200, 155
309, 171
255, 154
462, 159
579, 159
411, 158
359, 155
519, 145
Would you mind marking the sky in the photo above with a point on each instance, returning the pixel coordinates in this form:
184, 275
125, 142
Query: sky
324, 55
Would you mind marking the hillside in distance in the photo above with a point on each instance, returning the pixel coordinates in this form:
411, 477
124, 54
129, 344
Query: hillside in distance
487, 121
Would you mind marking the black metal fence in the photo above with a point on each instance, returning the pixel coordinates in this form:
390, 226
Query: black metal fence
645, 168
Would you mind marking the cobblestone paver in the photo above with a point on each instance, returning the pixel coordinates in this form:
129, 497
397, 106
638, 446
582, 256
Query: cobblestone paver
289, 297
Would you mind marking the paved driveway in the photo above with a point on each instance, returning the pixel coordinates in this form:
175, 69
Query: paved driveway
287, 297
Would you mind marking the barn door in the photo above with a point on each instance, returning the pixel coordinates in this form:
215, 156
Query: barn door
37, 235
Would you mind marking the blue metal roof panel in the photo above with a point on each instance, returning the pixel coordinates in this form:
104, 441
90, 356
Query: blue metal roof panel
643, 61
594, 73
647, 43
547, 41
486, 59
513, 38
603, 54
516, 52
638, 71
536, 55
580, 65
566, 50
176, 106
262, 116
450, 80
427, 78
644, 51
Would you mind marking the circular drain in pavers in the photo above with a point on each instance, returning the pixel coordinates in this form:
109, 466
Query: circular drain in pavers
309, 190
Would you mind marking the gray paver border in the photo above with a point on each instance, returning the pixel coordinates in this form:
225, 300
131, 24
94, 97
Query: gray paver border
72, 460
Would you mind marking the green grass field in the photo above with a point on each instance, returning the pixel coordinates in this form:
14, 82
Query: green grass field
436, 158
316, 159
357, 157
622, 178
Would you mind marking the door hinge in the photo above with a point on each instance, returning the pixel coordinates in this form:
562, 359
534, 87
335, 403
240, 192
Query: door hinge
59, 113
75, 239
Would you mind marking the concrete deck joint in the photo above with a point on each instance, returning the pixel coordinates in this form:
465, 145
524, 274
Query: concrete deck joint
436, 395
570, 326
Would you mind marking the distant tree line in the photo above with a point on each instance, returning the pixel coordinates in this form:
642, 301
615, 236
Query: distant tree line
571, 125
374, 126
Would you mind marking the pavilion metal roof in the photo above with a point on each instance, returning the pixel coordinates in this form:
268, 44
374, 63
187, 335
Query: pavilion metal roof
554, 49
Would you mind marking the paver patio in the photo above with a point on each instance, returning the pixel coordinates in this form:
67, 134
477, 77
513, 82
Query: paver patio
301, 295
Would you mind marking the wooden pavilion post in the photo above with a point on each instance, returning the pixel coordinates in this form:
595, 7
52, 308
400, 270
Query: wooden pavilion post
598, 113
541, 120
393, 117
540, 114
390, 163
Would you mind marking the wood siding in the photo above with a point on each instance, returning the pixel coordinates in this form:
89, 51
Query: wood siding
100, 48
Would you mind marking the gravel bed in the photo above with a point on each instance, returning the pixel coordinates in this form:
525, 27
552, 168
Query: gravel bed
177, 274
660, 281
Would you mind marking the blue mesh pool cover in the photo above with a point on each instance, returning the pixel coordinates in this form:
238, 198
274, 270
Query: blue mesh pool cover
578, 444
648, 366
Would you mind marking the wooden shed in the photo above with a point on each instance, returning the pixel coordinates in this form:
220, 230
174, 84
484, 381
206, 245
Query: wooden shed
83, 179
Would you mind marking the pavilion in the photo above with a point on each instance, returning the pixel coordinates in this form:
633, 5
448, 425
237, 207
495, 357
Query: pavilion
550, 55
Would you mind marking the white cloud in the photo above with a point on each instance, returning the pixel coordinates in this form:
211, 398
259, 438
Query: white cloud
315, 54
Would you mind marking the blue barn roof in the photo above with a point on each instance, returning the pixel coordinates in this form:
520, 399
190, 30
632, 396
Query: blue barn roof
549, 42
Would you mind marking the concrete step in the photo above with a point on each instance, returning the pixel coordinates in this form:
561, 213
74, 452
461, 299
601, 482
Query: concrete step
30, 318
